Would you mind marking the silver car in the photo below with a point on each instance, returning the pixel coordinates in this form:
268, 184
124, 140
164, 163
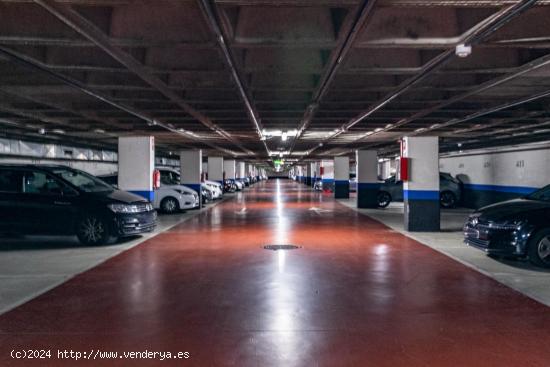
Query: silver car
449, 191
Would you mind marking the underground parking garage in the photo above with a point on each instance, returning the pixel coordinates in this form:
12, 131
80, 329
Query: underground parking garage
274, 183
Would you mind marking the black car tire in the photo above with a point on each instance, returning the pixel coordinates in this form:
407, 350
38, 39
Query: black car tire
383, 199
539, 248
447, 199
93, 230
169, 205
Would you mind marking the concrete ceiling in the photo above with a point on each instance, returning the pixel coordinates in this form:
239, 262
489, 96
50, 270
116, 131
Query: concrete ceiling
215, 74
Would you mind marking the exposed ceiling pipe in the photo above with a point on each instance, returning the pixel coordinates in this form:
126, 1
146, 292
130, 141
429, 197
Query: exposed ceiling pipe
213, 18
84, 27
478, 114
484, 112
477, 34
524, 69
338, 55
28, 62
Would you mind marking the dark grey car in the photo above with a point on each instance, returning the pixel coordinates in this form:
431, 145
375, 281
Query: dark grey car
449, 188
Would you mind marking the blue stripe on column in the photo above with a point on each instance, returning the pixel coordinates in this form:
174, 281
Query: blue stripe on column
341, 182
368, 185
497, 188
149, 195
420, 195
327, 180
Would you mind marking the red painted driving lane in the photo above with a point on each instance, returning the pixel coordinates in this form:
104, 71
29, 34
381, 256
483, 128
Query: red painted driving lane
356, 294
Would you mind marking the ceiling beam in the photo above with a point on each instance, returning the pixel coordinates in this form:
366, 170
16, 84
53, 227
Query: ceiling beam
221, 29
347, 35
32, 64
475, 35
88, 30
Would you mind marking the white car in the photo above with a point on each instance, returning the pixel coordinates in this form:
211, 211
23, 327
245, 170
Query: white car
173, 198
239, 184
170, 197
216, 188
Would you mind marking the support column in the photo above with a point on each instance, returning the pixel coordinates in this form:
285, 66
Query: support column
240, 170
327, 175
191, 170
136, 163
309, 174
421, 190
229, 167
299, 174
215, 169
367, 178
341, 177
317, 174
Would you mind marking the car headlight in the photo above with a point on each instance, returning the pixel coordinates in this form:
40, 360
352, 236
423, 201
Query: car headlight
130, 208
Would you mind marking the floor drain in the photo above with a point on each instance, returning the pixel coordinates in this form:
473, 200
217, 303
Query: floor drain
281, 247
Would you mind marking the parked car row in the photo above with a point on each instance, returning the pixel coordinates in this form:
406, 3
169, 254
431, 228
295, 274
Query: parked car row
391, 189
64, 201
513, 228
59, 200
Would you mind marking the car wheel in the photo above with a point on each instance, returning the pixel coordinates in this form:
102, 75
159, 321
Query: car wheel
384, 199
447, 199
169, 205
539, 249
92, 230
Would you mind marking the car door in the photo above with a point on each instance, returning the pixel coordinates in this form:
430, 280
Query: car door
48, 205
11, 187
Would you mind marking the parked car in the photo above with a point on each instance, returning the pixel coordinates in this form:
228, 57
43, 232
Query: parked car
353, 184
54, 199
229, 185
519, 227
449, 191
207, 194
318, 185
170, 197
216, 188
240, 184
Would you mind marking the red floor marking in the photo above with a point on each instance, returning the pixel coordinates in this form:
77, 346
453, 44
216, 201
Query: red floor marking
356, 294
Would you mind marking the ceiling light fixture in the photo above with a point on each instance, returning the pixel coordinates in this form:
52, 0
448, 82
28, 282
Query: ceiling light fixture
463, 51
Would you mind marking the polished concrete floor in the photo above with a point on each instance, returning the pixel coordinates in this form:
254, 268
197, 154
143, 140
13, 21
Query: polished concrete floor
356, 294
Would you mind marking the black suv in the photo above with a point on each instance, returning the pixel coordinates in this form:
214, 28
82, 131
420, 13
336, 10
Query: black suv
62, 200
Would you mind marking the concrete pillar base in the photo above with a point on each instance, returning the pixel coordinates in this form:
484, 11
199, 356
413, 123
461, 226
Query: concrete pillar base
422, 215
367, 195
341, 189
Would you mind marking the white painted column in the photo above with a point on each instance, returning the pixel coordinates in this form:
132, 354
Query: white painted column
191, 170
215, 169
341, 177
327, 175
367, 178
229, 167
421, 190
240, 170
136, 163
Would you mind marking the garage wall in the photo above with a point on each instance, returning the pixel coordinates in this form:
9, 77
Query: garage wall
95, 168
96, 162
493, 176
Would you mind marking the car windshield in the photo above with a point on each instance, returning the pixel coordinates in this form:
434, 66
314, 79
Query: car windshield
82, 180
542, 194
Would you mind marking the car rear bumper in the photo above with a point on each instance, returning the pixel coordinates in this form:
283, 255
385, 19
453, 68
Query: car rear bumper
132, 224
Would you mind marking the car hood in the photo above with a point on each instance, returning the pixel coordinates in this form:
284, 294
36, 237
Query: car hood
186, 190
118, 196
510, 208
